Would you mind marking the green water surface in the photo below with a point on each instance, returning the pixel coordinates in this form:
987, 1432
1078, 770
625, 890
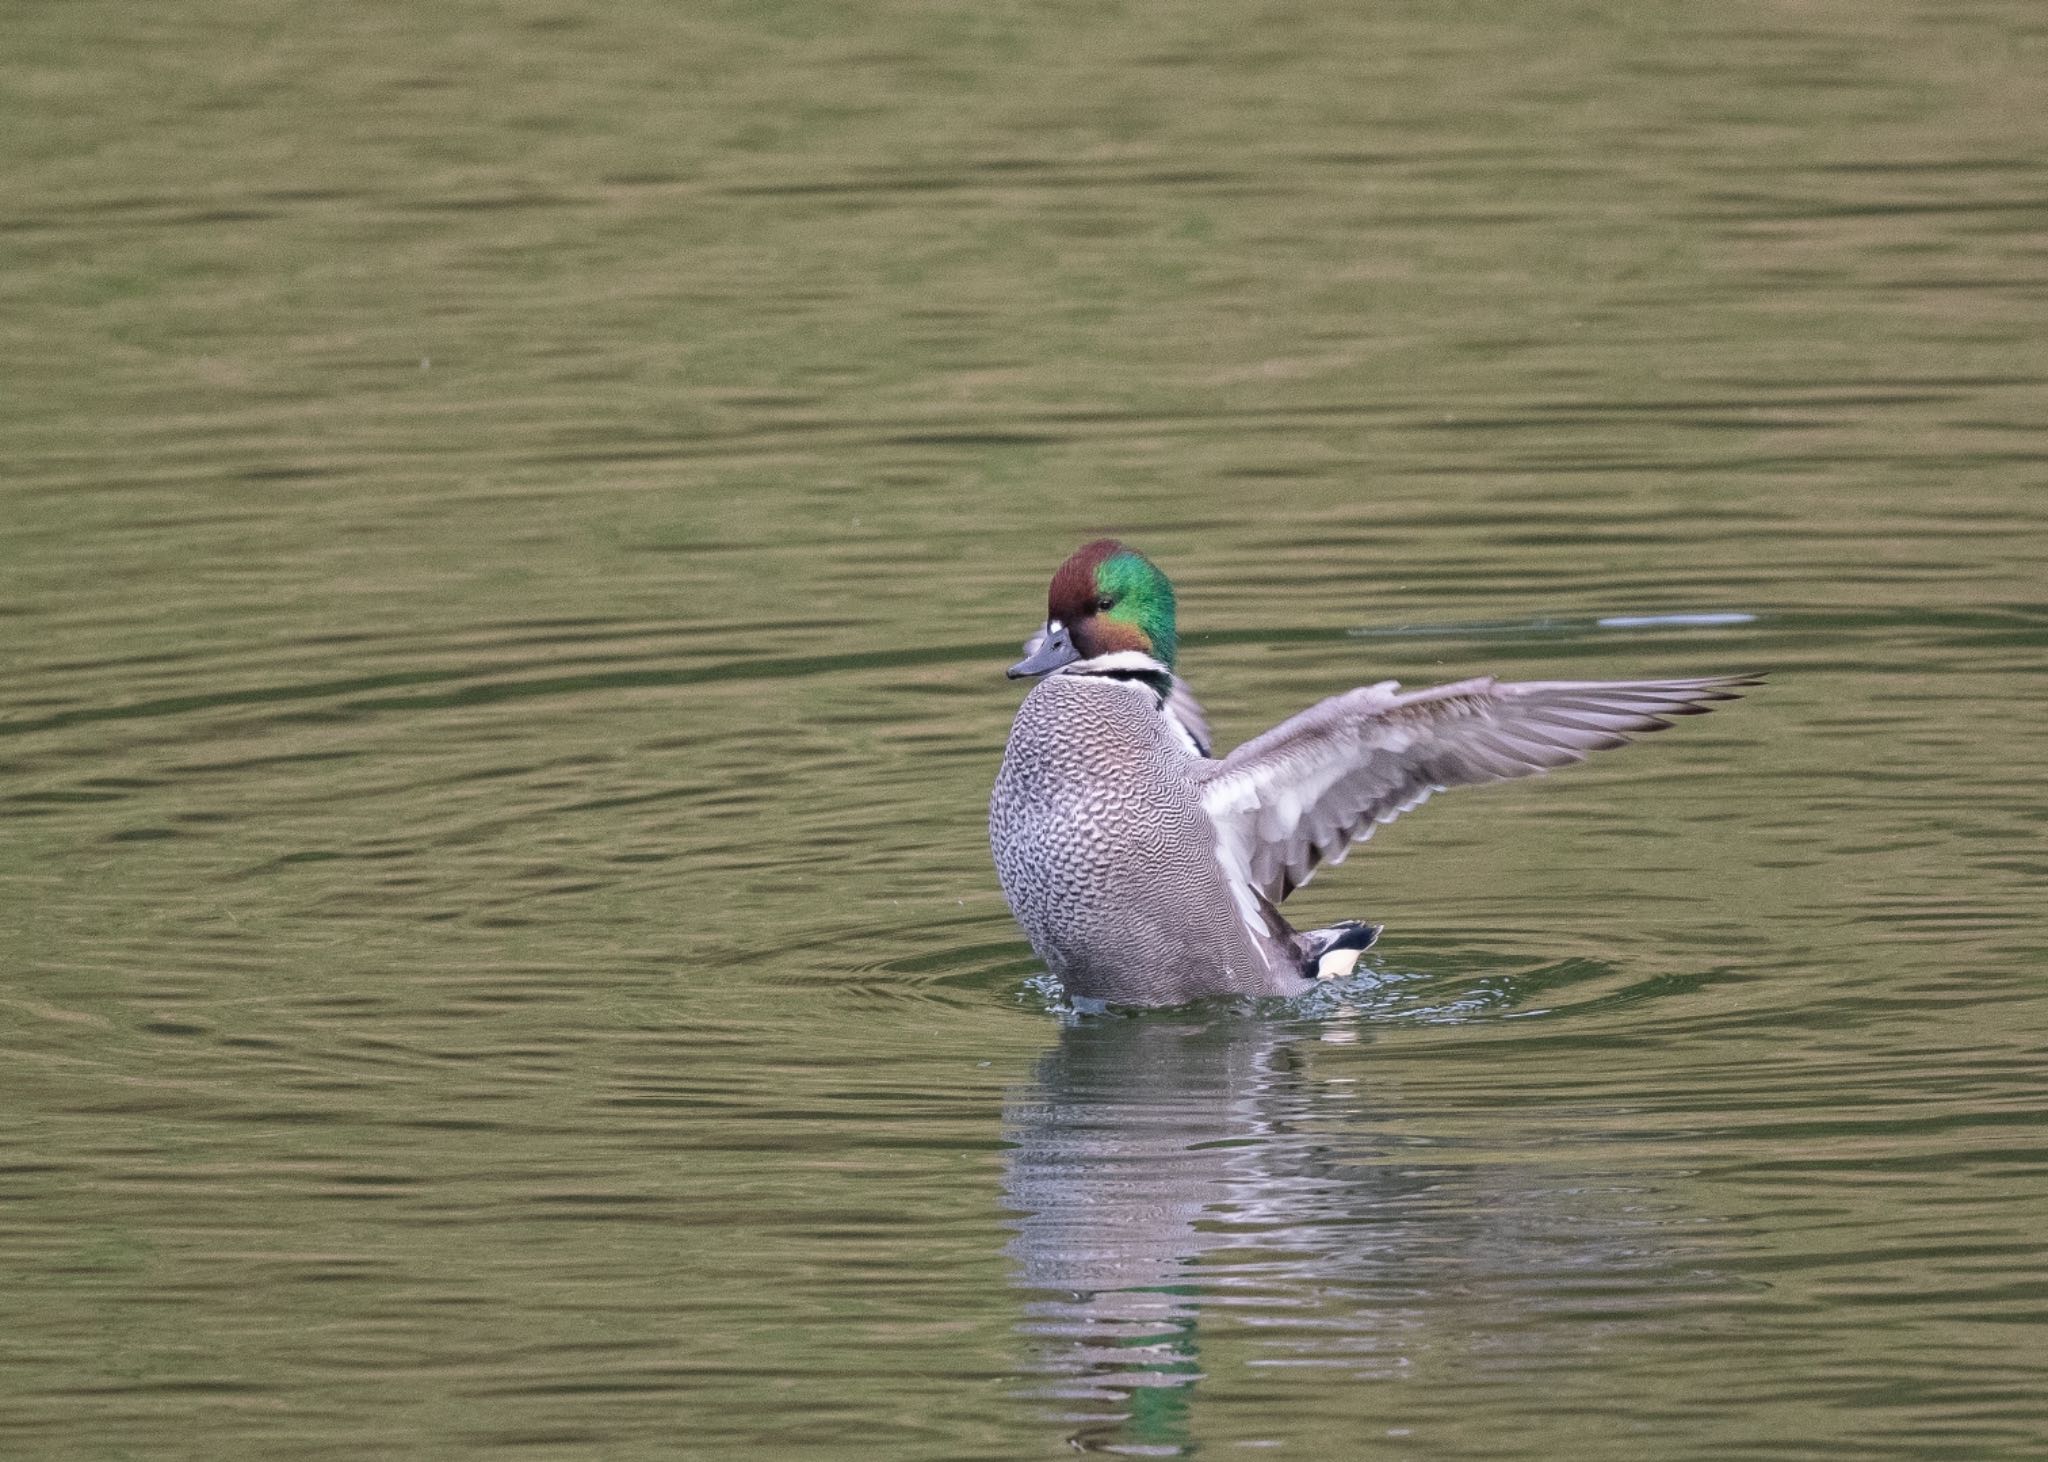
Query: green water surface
512, 516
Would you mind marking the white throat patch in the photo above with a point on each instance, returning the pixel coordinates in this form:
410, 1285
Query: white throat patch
1118, 662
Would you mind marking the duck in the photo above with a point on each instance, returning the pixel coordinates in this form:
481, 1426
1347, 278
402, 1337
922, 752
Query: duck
1147, 871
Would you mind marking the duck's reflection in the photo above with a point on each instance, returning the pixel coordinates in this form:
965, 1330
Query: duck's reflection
1201, 1195
1141, 1146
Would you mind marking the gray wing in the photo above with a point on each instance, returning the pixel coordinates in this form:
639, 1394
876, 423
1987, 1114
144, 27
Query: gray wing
1305, 791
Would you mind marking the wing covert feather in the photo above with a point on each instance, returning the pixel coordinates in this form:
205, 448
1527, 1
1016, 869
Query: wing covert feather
1304, 792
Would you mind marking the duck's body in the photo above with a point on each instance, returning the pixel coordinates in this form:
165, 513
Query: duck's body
1146, 872
1108, 857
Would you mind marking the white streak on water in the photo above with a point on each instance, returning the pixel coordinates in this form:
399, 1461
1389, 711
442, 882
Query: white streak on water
1662, 621
1538, 626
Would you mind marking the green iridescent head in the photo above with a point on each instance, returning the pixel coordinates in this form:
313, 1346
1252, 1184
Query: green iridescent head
1103, 599
1132, 605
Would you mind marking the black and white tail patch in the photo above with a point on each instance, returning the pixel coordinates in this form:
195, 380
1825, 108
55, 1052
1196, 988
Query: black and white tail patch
1332, 953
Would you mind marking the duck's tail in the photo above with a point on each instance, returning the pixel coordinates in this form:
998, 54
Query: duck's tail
1332, 953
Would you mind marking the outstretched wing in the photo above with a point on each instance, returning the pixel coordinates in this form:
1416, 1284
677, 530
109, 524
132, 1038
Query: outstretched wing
1304, 792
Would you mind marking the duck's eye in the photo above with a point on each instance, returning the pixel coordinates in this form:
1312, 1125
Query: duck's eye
1103, 605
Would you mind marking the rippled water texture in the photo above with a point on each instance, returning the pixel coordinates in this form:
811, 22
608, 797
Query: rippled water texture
511, 523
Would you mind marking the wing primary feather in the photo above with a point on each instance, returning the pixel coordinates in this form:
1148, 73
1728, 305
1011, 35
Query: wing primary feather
1309, 790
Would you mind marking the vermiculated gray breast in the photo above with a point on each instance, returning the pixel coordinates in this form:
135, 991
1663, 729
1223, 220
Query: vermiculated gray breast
1105, 852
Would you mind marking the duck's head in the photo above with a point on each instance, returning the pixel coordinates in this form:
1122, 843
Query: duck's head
1104, 599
